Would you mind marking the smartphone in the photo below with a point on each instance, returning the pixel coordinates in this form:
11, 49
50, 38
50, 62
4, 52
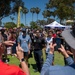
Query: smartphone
14, 48
58, 42
54, 40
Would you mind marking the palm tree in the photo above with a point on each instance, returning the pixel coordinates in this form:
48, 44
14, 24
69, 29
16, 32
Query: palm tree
44, 14
37, 10
32, 10
17, 8
18, 19
25, 11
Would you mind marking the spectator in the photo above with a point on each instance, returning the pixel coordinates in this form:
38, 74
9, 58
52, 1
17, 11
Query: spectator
49, 40
6, 69
48, 69
38, 46
24, 41
13, 37
4, 39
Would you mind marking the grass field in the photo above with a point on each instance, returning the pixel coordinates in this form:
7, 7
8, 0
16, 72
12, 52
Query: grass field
57, 60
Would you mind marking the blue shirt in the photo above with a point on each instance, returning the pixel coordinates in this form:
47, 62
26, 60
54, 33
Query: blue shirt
24, 42
48, 69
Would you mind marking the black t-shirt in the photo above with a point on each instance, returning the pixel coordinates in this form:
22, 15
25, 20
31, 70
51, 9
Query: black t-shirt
38, 43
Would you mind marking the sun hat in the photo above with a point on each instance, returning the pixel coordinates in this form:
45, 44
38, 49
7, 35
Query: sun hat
69, 36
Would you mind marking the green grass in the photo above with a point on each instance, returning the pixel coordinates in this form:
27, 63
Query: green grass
57, 60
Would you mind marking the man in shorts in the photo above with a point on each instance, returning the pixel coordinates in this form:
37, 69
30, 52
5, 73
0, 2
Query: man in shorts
24, 41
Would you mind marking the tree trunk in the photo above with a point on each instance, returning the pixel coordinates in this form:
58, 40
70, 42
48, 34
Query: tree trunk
18, 19
32, 16
37, 17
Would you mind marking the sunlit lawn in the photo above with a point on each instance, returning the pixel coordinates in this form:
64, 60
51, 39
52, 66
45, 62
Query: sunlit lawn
57, 60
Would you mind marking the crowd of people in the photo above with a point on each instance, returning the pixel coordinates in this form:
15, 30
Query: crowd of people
21, 42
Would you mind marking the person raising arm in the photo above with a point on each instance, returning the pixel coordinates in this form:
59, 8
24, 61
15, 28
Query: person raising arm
6, 69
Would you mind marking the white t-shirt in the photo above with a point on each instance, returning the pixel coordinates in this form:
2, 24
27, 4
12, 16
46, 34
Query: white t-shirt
48, 41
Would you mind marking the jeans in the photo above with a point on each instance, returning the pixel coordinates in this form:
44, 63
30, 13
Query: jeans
38, 58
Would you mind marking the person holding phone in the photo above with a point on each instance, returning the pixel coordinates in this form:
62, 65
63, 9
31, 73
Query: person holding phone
49, 69
57, 40
6, 69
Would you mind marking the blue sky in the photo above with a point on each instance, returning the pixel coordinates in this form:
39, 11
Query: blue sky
29, 4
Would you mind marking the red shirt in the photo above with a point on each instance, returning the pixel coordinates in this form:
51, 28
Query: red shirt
54, 35
6, 69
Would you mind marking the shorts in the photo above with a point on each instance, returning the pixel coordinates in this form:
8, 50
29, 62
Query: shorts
26, 54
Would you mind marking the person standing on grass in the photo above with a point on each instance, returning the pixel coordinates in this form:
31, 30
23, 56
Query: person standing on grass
48, 40
24, 41
38, 44
48, 69
6, 69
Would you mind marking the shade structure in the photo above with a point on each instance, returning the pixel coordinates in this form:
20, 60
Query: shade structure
70, 21
55, 25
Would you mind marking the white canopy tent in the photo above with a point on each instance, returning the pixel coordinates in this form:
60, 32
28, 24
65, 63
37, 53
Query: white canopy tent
68, 27
55, 25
